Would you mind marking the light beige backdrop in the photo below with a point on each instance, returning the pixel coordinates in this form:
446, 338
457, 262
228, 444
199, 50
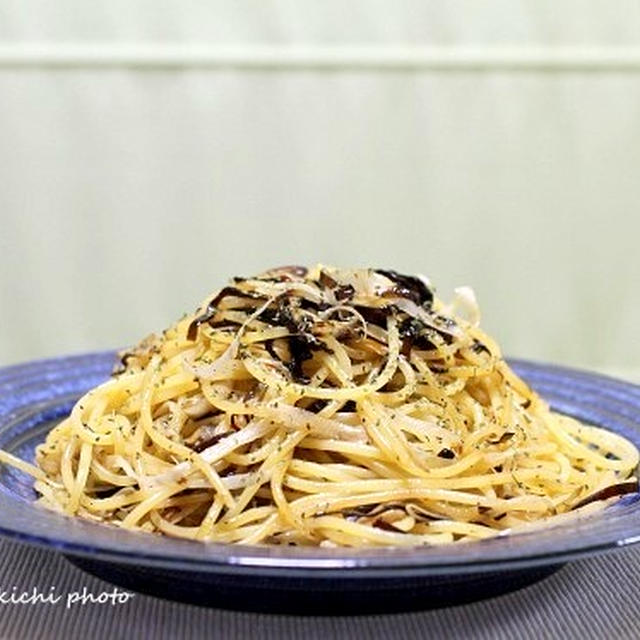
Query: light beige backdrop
149, 151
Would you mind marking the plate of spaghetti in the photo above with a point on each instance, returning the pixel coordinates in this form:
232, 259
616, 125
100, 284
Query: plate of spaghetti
340, 433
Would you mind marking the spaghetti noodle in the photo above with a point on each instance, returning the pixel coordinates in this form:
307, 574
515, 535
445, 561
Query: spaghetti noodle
324, 407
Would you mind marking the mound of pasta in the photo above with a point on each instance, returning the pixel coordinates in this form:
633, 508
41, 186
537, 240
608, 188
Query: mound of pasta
325, 407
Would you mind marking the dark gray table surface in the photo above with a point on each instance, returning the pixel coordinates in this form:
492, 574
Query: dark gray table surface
594, 598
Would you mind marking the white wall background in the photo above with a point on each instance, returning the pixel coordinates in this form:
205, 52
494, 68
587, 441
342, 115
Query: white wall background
151, 150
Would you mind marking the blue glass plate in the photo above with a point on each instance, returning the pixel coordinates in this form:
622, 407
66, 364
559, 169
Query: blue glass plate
36, 395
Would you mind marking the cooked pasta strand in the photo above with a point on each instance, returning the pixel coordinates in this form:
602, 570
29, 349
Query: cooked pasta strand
332, 407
